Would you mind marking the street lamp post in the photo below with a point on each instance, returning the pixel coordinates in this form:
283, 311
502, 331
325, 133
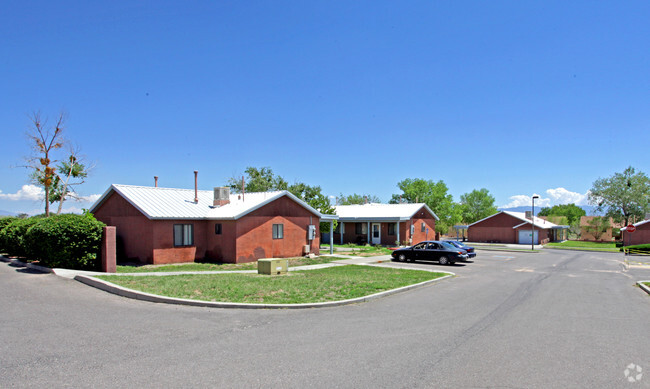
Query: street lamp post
532, 219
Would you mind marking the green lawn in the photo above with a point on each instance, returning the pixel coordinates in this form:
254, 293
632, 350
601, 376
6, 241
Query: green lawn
359, 250
580, 245
193, 266
310, 286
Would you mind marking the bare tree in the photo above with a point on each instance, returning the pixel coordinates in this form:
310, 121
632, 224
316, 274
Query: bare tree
45, 141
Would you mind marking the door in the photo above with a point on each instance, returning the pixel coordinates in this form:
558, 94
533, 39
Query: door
376, 233
526, 237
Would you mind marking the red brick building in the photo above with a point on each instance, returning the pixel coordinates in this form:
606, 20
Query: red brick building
163, 225
384, 224
514, 227
640, 236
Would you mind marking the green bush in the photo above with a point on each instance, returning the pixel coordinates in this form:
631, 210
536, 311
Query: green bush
68, 241
4, 221
12, 236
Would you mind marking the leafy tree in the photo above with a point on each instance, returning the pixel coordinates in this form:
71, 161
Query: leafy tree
624, 195
435, 195
571, 211
74, 172
258, 180
357, 199
45, 141
264, 180
598, 226
477, 205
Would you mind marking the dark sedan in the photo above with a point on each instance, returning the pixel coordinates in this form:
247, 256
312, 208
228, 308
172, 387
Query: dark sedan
443, 252
470, 250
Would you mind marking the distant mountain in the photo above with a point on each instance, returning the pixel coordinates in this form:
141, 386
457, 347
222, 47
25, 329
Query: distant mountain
590, 209
7, 213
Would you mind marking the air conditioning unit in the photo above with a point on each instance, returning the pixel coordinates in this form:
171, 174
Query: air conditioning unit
272, 266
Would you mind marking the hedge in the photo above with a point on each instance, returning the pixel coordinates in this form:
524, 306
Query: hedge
4, 221
69, 241
12, 236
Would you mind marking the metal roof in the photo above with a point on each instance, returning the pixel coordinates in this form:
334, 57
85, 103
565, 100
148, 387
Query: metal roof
380, 212
642, 222
170, 203
538, 222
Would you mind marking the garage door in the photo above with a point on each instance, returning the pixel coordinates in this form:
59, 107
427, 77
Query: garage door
525, 237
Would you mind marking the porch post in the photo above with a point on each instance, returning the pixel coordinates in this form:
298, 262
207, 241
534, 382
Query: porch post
368, 240
342, 230
398, 240
331, 236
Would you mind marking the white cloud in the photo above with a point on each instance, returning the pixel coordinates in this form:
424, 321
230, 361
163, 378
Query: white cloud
556, 196
563, 196
27, 192
90, 198
525, 200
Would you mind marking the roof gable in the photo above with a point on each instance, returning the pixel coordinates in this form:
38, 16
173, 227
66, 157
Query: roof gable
538, 222
170, 203
376, 211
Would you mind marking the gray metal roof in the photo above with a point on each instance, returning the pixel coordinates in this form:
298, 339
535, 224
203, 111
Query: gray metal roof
170, 203
380, 212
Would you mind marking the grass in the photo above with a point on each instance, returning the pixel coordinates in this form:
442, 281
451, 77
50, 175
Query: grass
646, 284
359, 250
580, 245
193, 266
310, 286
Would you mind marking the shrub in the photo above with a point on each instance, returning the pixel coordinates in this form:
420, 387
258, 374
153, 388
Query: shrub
69, 241
4, 221
12, 236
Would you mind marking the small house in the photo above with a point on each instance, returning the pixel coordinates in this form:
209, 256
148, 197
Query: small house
384, 224
164, 225
515, 227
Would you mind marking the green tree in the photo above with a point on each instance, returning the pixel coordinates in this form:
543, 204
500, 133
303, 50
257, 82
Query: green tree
623, 195
571, 211
598, 226
258, 180
357, 199
264, 180
477, 205
434, 194
71, 172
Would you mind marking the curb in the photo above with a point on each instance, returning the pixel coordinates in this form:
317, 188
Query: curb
642, 286
582, 250
137, 295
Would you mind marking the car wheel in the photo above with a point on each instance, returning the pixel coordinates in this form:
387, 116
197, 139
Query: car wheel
402, 258
443, 260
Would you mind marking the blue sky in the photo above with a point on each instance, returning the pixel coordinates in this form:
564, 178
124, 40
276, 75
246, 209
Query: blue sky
516, 97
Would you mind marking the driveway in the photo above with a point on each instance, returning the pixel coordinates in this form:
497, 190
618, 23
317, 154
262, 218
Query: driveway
552, 319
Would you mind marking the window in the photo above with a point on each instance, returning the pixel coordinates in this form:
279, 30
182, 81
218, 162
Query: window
423, 228
278, 231
217, 229
361, 228
183, 234
391, 228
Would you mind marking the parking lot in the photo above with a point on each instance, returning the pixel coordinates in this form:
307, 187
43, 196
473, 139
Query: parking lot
548, 319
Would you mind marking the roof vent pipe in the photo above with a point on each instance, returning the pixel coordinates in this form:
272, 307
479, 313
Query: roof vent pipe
196, 186
155, 181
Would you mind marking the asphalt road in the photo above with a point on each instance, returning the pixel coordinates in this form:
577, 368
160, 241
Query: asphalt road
517, 320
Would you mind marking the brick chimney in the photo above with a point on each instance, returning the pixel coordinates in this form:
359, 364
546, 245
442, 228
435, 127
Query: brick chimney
221, 196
